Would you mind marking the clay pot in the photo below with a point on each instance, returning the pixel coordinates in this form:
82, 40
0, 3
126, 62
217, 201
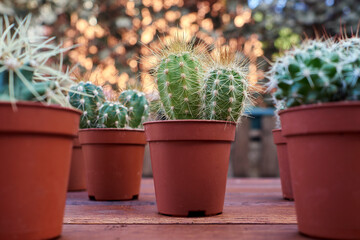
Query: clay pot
324, 150
77, 179
35, 146
190, 161
113, 162
284, 168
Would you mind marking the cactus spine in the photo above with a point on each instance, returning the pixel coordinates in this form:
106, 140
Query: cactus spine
137, 105
88, 98
24, 74
178, 75
193, 84
112, 115
318, 71
225, 86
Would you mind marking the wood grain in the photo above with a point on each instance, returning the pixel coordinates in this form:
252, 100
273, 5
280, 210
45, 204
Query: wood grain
251, 201
254, 209
175, 232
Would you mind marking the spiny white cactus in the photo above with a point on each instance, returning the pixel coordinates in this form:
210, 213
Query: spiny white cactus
24, 69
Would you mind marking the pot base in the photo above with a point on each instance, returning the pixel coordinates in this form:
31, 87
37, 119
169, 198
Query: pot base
193, 214
135, 197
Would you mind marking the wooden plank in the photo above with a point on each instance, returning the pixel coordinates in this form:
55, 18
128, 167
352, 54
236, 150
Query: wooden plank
239, 159
174, 232
268, 166
247, 201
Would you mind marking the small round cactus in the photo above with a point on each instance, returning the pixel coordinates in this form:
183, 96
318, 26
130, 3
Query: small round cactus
137, 105
87, 97
317, 71
178, 76
225, 86
112, 115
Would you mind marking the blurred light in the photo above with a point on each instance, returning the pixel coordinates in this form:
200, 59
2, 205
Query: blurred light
253, 3
93, 21
207, 24
93, 49
329, 2
239, 21
226, 18
88, 5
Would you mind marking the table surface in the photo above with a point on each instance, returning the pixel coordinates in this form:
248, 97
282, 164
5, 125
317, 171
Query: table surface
253, 209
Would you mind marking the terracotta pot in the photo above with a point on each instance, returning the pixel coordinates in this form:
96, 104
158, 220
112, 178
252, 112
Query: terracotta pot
113, 162
190, 160
35, 146
284, 168
324, 150
77, 178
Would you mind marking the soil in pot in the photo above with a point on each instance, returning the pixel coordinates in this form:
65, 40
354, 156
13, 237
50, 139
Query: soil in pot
190, 161
113, 162
35, 146
323, 144
284, 167
77, 178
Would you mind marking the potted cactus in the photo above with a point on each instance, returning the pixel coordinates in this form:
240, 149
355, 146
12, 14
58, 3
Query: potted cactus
112, 143
37, 127
202, 98
84, 94
319, 84
282, 155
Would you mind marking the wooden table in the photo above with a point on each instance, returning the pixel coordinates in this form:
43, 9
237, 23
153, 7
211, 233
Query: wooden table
254, 209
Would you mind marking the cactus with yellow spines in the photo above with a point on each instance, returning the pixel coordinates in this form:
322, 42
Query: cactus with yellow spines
178, 73
226, 88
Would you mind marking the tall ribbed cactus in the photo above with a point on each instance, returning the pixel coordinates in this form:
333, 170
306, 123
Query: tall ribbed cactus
112, 115
137, 105
193, 84
318, 71
178, 75
225, 86
88, 98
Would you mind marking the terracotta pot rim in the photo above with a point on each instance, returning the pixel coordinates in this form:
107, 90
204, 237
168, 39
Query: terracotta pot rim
91, 136
37, 118
321, 105
188, 121
41, 105
276, 130
324, 118
190, 130
109, 130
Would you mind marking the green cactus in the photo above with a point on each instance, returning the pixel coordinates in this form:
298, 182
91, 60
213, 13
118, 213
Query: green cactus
112, 115
178, 76
317, 71
137, 105
193, 84
24, 74
226, 87
88, 98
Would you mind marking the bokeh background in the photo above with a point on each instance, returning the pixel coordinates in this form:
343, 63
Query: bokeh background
113, 35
